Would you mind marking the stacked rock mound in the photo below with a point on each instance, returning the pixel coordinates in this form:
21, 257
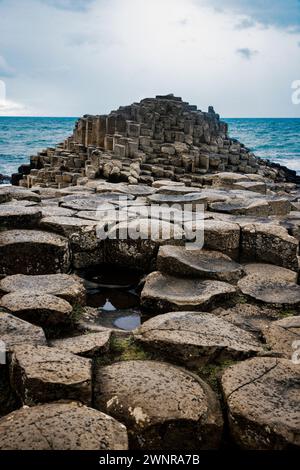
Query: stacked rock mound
215, 362
158, 138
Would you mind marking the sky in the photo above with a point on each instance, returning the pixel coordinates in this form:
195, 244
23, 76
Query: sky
75, 57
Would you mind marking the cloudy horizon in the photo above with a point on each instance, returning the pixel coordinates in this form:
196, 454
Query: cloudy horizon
75, 57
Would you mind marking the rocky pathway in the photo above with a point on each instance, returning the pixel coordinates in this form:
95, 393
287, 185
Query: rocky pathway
215, 362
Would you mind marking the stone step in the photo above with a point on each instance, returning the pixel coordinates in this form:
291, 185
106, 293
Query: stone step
164, 293
68, 287
253, 389
190, 416
40, 309
196, 339
14, 216
180, 261
33, 252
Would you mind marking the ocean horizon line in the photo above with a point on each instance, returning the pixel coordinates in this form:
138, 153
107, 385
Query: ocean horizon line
77, 117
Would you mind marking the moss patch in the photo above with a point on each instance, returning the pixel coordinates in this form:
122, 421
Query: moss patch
211, 373
76, 313
124, 349
287, 312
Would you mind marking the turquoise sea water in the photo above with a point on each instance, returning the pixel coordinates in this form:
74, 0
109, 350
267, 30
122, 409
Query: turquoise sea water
275, 139
20, 137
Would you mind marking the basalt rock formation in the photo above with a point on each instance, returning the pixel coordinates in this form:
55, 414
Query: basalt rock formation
215, 361
158, 138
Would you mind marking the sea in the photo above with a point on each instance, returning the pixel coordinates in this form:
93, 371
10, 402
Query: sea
275, 139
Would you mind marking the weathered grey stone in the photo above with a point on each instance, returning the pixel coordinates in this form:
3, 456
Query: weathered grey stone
243, 220
48, 193
257, 207
219, 236
252, 318
166, 213
20, 194
33, 252
265, 271
200, 263
177, 190
5, 195
263, 400
279, 205
55, 211
192, 199
271, 291
164, 293
283, 336
61, 426
68, 287
85, 259
162, 406
41, 310
40, 374
228, 179
137, 242
14, 216
104, 215
162, 183
224, 195
88, 345
136, 190
256, 186
15, 331
106, 187
292, 223
65, 225
79, 203
270, 243
196, 338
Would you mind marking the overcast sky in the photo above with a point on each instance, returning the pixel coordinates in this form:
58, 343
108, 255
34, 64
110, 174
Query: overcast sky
72, 57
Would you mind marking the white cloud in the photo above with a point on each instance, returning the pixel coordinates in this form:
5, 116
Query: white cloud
70, 61
10, 108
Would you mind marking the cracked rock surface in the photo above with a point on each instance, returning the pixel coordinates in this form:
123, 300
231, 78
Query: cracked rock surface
263, 400
196, 337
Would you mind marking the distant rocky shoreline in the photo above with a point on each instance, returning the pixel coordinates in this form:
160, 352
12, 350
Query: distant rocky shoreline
213, 364
158, 138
